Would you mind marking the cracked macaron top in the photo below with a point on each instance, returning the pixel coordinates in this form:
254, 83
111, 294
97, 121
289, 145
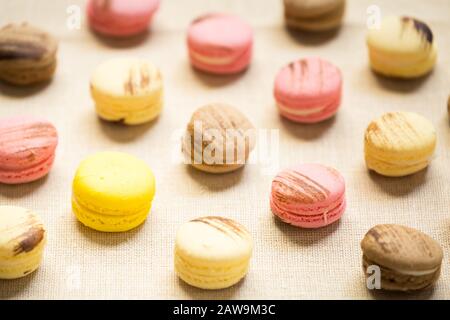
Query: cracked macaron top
214, 238
23, 42
21, 231
401, 249
127, 77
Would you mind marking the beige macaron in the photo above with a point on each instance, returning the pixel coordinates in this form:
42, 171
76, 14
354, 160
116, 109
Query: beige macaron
408, 259
27, 54
218, 139
128, 90
314, 15
22, 242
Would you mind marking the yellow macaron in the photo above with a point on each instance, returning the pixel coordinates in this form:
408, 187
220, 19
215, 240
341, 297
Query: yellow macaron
399, 144
128, 90
112, 192
402, 47
212, 252
22, 242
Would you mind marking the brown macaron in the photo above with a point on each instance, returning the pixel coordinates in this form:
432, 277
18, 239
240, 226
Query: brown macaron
408, 259
27, 54
448, 104
314, 15
218, 139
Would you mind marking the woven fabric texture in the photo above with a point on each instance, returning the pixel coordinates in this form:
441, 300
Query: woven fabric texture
288, 263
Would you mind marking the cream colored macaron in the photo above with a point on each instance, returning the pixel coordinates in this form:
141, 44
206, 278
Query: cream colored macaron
212, 252
399, 143
22, 242
128, 90
402, 47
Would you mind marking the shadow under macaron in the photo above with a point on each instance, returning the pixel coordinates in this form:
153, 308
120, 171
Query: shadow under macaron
15, 191
23, 91
399, 186
121, 42
211, 182
217, 80
307, 131
108, 239
309, 38
304, 236
400, 84
123, 133
424, 294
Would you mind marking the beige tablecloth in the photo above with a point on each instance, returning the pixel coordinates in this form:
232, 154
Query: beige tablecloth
288, 262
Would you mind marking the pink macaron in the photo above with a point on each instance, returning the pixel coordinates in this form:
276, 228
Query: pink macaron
121, 18
220, 43
308, 196
308, 90
27, 149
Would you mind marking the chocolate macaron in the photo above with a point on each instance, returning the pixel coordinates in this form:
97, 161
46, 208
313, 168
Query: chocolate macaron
27, 54
408, 259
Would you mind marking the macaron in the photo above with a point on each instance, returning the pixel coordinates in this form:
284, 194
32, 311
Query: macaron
308, 90
27, 149
308, 196
127, 90
121, 18
314, 15
448, 104
27, 54
218, 139
408, 258
403, 47
22, 241
220, 43
112, 192
399, 144
212, 252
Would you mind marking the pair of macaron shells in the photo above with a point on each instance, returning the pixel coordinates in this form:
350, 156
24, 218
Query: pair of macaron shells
121, 18
314, 16
402, 47
27, 149
27, 55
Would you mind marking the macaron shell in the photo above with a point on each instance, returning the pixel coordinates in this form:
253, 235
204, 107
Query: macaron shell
212, 252
27, 54
128, 90
311, 8
22, 242
306, 85
220, 43
309, 195
401, 248
402, 47
114, 183
399, 143
121, 17
27, 148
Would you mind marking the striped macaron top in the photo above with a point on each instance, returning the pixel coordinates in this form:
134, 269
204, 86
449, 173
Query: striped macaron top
25, 142
399, 247
214, 238
310, 78
24, 42
219, 119
20, 231
399, 132
308, 184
